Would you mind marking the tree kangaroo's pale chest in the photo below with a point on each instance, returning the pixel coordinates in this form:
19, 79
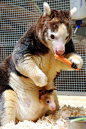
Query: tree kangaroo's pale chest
48, 65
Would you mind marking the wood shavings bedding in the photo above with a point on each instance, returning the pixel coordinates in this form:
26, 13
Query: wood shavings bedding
55, 121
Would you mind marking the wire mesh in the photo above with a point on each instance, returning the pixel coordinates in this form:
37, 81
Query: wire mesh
15, 18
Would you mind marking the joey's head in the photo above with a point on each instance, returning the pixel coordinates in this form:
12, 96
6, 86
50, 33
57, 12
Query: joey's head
54, 28
47, 99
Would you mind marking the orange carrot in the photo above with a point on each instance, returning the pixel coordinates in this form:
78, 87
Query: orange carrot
64, 60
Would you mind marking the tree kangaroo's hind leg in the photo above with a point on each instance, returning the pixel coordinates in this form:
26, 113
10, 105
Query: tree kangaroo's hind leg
8, 109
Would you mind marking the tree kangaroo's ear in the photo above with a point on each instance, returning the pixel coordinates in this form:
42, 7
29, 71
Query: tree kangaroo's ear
51, 90
41, 92
47, 9
72, 11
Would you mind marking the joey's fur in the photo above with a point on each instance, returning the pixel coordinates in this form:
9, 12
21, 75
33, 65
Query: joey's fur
32, 66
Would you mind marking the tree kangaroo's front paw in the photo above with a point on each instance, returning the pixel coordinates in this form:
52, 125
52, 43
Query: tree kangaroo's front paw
77, 62
40, 79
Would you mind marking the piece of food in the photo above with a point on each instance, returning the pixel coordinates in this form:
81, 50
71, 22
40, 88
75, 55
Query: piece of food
64, 60
78, 119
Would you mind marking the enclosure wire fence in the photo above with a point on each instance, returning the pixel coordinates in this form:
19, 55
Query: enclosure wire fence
15, 18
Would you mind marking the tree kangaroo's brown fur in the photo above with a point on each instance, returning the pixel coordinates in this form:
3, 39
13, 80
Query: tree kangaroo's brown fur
32, 66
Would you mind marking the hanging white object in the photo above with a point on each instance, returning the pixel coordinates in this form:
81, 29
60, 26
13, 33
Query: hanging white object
81, 8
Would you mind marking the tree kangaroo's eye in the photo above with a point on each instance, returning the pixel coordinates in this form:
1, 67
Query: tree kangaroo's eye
48, 101
66, 38
52, 36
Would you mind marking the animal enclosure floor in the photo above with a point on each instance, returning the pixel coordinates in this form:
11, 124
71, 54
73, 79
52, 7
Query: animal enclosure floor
75, 100
69, 106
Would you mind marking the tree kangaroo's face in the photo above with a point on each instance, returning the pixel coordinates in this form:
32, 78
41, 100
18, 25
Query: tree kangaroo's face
55, 28
57, 38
